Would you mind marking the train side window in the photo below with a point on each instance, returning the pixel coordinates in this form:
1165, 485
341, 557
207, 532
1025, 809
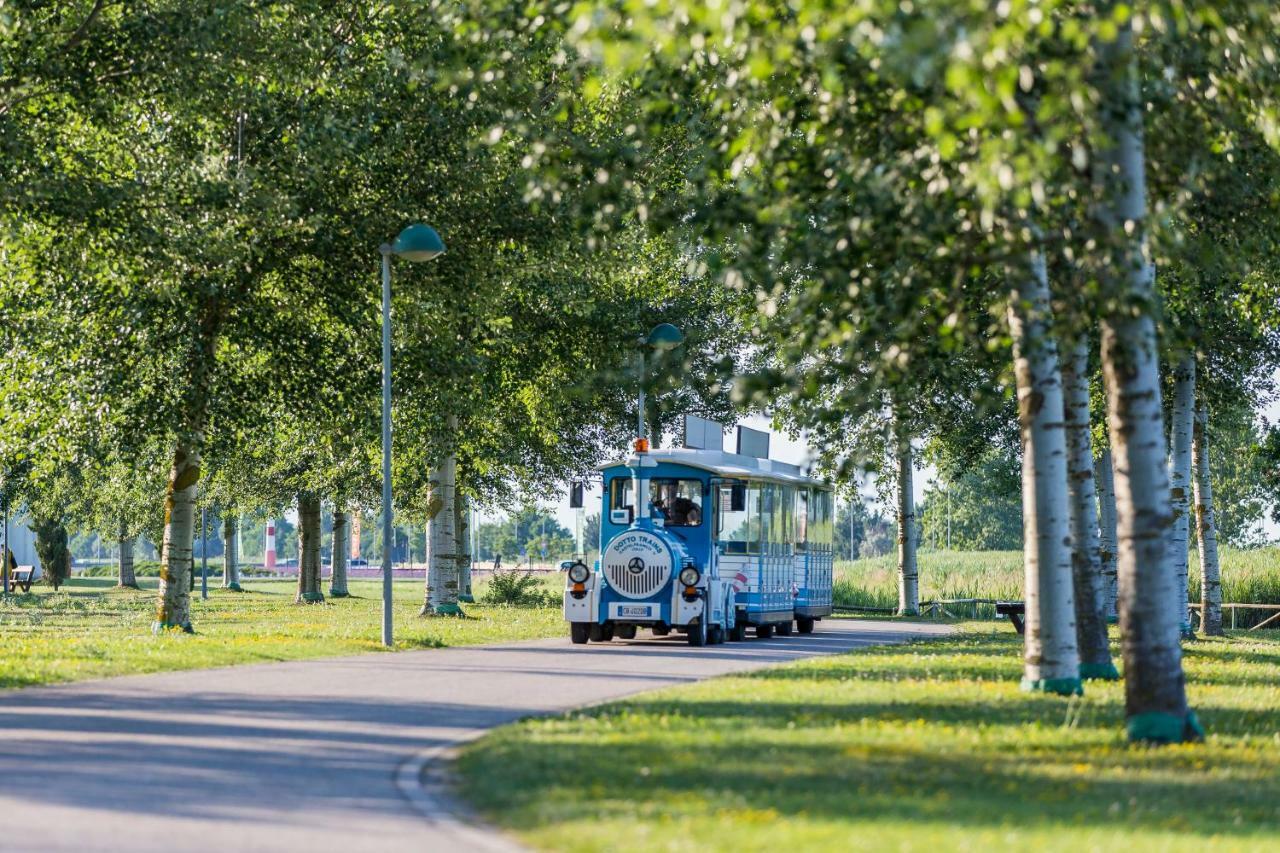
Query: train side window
802, 519
738, 530
620, 493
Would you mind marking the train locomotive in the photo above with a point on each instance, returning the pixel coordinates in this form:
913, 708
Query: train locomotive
718, 544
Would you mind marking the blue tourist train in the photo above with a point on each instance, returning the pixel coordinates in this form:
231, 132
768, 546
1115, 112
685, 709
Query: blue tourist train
719, 543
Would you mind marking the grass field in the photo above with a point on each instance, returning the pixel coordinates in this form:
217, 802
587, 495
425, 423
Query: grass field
1248, 576
924, 747
91, 629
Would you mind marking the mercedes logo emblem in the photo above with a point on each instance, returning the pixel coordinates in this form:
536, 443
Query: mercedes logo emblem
636, 566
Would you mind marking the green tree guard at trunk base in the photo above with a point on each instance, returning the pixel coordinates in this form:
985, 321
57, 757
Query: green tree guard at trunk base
1099, 672
1161, 728
1060, 686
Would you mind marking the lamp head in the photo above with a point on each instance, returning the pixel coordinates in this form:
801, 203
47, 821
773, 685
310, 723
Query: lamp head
418, 243
665, 337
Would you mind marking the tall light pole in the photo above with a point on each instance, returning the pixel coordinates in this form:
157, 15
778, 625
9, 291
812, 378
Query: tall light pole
415, 243
663, 337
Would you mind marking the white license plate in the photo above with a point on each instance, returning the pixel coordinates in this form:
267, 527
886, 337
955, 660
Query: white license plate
634, 611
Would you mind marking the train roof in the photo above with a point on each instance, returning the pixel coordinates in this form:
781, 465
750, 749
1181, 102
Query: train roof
733, 465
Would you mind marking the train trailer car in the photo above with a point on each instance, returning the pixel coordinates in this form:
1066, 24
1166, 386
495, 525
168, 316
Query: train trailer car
721, 543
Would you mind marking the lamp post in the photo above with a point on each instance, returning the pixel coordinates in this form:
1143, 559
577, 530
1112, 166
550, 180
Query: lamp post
415, 243
661, 338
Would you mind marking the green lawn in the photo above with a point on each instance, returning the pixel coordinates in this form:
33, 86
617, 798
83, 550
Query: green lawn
91, 629
929, 746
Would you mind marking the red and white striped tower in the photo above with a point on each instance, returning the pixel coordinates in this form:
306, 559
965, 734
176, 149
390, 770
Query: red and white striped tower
271, 545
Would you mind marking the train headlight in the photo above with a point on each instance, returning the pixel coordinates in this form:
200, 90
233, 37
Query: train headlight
689, 576
578, 572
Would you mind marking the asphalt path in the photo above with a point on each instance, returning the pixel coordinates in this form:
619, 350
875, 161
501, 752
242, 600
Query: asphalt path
335, 754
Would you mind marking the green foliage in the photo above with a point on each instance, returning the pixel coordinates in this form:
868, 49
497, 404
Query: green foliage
925, 746
527, 531
980, 504
514, 588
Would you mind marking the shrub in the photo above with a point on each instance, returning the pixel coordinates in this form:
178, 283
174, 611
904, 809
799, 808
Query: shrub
517, 588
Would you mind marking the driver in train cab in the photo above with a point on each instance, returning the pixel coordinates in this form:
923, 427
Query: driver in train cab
685, 513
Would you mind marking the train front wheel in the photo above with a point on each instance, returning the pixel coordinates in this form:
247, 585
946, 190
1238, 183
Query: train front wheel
579, 632
804, 625
764, 632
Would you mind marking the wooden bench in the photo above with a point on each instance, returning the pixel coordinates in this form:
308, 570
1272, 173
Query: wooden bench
21, 576
1015, 610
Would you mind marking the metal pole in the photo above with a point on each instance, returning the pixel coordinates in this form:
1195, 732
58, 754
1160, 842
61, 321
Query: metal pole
641, 425
4, 553
948, 516
386, 445
204, 558
851, 528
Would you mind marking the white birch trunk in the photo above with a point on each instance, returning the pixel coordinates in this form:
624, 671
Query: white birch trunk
1206, 531
1086, 553
127, 576
309, 549
230, 553
1155, 691
442, 568
1051, 659
174, 595
462, 525
908, 571
341, 548
1107, 532
1184, 413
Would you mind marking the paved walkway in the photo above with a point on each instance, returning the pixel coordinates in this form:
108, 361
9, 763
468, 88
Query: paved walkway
316, 755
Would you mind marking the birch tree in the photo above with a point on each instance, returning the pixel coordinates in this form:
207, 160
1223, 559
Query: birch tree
1182, 416
1086, 550
908, 571
341, 552
1206, 530
1155, 690
1105, 476
1051, 657
309, 549
231, 551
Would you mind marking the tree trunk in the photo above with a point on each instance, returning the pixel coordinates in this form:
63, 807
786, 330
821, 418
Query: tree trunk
1086, 555
174, 609
51, 548
1184, 413
230, 553
442, 568
127, 577
308, 549
1051, 658
462, 527
1155, 691
341, 546
1107, 532
908, 571
1206, 530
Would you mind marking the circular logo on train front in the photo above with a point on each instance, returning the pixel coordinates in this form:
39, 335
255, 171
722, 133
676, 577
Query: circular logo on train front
636, 566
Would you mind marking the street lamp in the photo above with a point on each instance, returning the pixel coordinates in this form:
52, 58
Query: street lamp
663, 337
415, 243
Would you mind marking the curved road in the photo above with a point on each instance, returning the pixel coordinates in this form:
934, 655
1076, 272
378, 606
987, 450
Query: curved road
323, 754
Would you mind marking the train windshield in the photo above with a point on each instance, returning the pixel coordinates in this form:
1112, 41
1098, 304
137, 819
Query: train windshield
679, 502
